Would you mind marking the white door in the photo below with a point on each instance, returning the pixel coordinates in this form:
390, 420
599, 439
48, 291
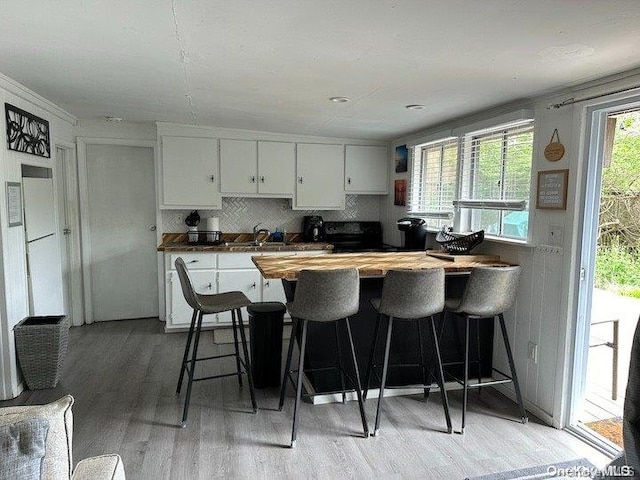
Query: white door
43, 249
122, 256
366, 169
245, 281
63, 230
238, 166
276, 167
190, 172
320, 176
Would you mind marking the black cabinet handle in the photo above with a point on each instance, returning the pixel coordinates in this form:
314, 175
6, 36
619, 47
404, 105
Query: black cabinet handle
349, 181
266, 284
262, 179
213, 178
254, 285
253, 179
193, 261
299, 179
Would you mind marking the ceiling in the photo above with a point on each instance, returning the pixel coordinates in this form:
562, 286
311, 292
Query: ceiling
272, 65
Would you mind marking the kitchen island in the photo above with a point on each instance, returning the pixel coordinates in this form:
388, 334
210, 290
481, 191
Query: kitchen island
372, 268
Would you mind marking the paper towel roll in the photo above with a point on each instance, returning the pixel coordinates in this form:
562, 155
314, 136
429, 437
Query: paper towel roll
213, 224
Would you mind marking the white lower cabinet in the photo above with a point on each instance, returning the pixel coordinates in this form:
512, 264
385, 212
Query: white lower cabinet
219, 273
245, 281
179, 311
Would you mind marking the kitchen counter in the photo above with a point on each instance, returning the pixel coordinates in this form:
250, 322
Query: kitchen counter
177, 242
368, 264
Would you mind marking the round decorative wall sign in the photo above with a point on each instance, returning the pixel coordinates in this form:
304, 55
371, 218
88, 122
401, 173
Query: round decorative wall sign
555, 150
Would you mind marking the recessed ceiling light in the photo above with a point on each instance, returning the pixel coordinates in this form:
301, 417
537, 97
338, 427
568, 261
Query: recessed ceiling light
415, 107
340, 99
113, 119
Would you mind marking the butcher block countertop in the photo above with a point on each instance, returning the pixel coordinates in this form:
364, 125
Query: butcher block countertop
368, 264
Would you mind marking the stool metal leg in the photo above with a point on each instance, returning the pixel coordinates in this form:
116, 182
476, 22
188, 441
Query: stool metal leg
338, 353
287, 365
358, 385
424, 368
303, 344
187, 347
192, 371
443, 391
385, 367
512, 366
235, 343
478, 353
372, 355
465, 392
247, 362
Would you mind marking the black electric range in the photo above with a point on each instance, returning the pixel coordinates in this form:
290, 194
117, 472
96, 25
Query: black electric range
353, 236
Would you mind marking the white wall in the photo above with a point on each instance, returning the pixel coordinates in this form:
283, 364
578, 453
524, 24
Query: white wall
547, 295
13, 279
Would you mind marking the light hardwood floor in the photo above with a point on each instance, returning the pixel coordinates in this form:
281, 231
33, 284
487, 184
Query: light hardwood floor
123, 377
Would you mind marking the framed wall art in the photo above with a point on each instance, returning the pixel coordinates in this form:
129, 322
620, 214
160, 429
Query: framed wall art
552, 189
400, 192
401, 158
27, 133
14, 204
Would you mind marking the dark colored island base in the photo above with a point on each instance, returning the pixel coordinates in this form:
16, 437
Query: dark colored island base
321, 346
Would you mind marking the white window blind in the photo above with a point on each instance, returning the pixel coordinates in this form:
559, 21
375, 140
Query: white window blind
495, 181
434, 181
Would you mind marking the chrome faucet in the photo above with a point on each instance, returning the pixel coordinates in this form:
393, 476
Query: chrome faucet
257, 232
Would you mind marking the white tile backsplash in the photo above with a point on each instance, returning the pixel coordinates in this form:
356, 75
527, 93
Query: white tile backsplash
240, 214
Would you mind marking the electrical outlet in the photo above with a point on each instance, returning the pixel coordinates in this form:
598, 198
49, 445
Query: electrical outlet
533, 352
179, 217
556, 235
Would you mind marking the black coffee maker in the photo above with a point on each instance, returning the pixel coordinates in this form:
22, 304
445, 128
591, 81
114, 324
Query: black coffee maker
313, 228
415, 232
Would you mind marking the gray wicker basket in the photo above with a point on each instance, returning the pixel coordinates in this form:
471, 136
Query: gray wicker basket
41, 346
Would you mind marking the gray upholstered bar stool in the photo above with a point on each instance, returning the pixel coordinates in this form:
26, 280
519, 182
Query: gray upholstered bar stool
490, 291
409, 295
323, 296
208, 305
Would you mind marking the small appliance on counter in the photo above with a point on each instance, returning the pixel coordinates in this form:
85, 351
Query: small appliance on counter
415, 232
192, 221
313, 228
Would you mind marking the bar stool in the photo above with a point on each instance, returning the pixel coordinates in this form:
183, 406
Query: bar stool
323, 296
208, 305
409, 295
490, 291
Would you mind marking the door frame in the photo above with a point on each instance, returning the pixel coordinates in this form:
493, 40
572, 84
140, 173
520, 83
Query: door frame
70, 201
83, 142
595, 117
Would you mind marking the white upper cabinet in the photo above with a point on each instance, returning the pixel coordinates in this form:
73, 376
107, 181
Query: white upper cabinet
238, 166
366, 169
276, 168
319, 177
249, 167
189, 173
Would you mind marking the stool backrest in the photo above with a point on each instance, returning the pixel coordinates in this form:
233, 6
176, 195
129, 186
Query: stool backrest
326, 295
413, 293
189, 293
490, 291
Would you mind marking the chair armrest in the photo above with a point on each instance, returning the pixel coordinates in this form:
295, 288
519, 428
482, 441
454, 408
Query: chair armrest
107, 467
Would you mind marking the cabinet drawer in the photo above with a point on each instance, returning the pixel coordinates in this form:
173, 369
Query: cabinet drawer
195, 261
236, 260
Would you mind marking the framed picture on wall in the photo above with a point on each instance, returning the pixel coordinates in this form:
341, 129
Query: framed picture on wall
400, 192
27, 133
552, 190
401, 158
14, 204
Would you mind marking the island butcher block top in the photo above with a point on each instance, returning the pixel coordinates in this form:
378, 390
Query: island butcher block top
368, 264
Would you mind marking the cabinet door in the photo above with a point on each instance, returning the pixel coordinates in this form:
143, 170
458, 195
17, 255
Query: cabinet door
366, 169
190, 172
320, 176
245, 281
238, 166
179, 311
276, 168
272, 291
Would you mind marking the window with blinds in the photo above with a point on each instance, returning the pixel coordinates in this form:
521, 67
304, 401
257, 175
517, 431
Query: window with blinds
495, 181
434, 181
